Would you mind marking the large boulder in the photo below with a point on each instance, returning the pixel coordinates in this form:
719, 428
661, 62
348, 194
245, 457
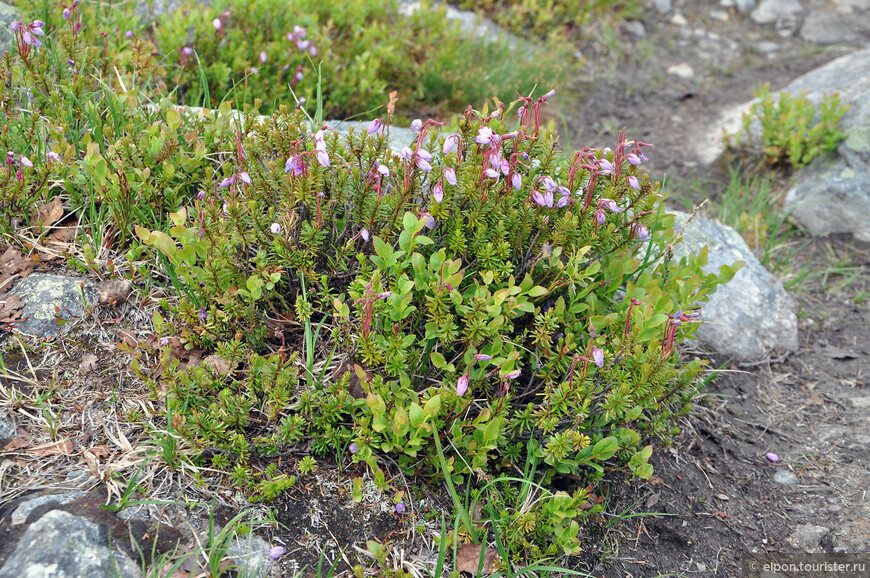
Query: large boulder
832, 194
750, 316
48, 298
61, 545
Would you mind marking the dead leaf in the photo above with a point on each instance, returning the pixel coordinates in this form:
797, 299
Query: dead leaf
11, 309
114, 291
100, 451
468, 559
52, 448
17, 444
63, 235
47, 214
217, 364
89, 363
13, 264
127, 338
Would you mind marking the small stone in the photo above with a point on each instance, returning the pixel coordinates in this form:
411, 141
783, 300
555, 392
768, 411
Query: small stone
860, 402
679, 20
719, 15
726, 3
768, 47
825, 28
682, 70
745, 6
702, 568
48, 297
772, 11
785, 477
806, 537
663, 6
635, 28
7, 427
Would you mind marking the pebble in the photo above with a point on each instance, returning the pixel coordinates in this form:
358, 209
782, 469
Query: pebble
806, 537
745, 6
679, 20
768, 47
860, 402
682, 70
663, 6
771, 11
635, 28
719, 15
785, 477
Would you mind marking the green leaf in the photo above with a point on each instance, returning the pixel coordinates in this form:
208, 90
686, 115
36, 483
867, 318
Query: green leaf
438, 360
433, 405
416, 415
537, 291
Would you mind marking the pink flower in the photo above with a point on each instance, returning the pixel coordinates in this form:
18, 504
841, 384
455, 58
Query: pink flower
438, 193
406, 153
491, 173
605, 166
128, 34
263, 57
600, 216
353, 448
450, 144
484, 135
598, 356
549, 95
364, 233
375, 126
322, 158
450, 176
53, 156
200, 195
772, 457
302, 44
276, 552
423, 164
216, 23
642, 232
26, 161
544, 200
517, 181
462, 385
400, 508
633, 159
430, 220
610, 204
66, 15
482, 357
384, 170
513, 374
549, 183
291, 164
275, 228
632, 182
416, 125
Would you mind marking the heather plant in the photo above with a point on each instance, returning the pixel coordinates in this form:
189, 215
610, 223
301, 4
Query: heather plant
793, 130
475, 303
271, 50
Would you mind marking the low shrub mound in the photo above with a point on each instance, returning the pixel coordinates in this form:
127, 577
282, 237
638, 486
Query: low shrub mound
480, 303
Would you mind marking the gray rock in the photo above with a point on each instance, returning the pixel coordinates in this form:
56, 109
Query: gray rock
860, 402
806, 537
61, 545
785, 477
679, 20
822, 27
772, 11
832, 194
719, 15
7, 427
745, 6
8, 15
663, 6
635, 28
849, 6
399, 137
752, 314
44, 295
19, 516
682, 70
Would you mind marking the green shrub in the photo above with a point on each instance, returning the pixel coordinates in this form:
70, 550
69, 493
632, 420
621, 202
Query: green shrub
269, 49
479, 287
544, 18
793, 129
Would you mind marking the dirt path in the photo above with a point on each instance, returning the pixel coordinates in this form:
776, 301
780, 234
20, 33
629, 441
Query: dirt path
715, 494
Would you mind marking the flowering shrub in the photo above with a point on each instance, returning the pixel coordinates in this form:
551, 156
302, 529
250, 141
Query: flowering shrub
268, 50
479, 286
